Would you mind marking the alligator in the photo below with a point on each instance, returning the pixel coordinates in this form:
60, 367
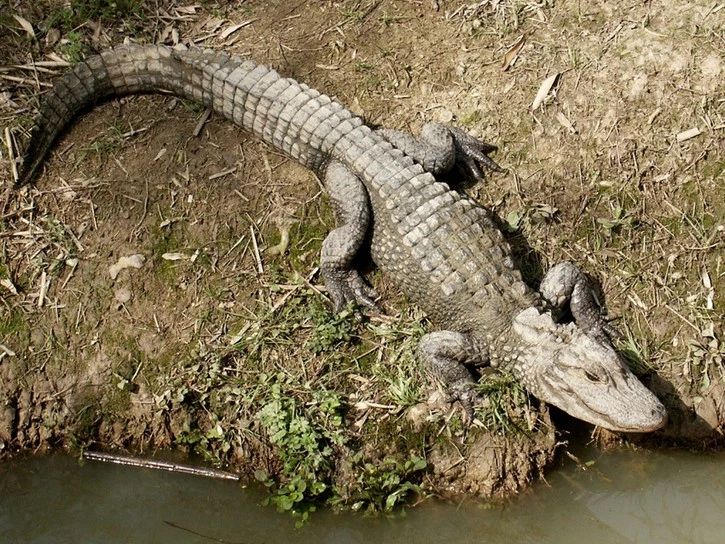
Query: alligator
437, 245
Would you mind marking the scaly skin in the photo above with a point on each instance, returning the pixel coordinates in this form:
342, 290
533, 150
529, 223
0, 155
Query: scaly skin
441, 248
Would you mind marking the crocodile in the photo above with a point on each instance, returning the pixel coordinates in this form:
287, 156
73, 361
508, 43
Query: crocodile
444, 251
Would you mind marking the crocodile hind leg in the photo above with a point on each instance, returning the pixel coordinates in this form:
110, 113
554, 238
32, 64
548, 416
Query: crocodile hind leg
445, 354
564, 283
350, 202
440, 147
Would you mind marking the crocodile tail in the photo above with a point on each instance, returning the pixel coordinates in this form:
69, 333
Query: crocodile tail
117, 72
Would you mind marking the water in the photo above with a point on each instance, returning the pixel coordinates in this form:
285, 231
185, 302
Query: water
625, 497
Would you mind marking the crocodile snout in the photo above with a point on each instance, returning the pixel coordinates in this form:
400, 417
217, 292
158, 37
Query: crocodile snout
658, 417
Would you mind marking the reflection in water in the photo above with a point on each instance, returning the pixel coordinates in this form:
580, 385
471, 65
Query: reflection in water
626, 497
676, 501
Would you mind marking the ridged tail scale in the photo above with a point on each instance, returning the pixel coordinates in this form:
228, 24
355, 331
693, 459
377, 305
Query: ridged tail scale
295, 119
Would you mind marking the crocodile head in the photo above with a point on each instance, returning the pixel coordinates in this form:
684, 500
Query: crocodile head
563, 366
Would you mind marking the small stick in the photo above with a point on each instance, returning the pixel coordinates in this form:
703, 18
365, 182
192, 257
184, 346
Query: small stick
260, 268
134, 131
44, 284
159, 465
236, 244
283, 299
202, 535
202, 121
223, 173
11, 154
25, 81
267, 167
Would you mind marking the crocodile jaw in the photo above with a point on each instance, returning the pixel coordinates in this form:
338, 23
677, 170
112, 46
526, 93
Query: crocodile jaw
561, 365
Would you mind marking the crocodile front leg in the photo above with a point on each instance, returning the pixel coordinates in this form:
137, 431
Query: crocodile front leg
440, 147
564, 283
445, 354
350, 202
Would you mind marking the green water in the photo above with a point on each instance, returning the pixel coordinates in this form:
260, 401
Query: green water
637, 497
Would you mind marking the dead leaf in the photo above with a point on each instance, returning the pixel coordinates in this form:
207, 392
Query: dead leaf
445, 115
27, 27
132, 261
7, 101
165, 34
187, 10
6, 351
687, 134
170, 35
232, 29
544, 90
57, 58
173, 256
52, 37
213, 24
653, 115
706, 281
67, 194
7, 284
97, 28
564, 122
122, 295
513, 52
509, 86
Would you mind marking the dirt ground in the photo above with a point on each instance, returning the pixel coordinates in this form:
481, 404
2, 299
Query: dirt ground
214, 333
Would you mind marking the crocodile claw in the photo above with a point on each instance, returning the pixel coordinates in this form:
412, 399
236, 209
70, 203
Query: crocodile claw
604, 333
348, 286
473, 153
467, 405
587, 314
466, 395
566, 283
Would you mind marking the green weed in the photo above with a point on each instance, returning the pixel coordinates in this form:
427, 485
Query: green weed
330, 329
354, 16
108, 144
12, 323
385, 485
471, 119
74, 48
705, 360
306, 438
404, 389
505, 403
77, 12
532, 215
363, 66
619, 220
635, 351
61, 236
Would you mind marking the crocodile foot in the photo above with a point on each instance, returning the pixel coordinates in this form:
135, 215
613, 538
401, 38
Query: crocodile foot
566, 283
446, 355
440, 147
473, 153
466, 395
348, 286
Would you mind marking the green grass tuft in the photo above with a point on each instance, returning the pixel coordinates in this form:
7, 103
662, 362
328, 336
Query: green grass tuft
77, 12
